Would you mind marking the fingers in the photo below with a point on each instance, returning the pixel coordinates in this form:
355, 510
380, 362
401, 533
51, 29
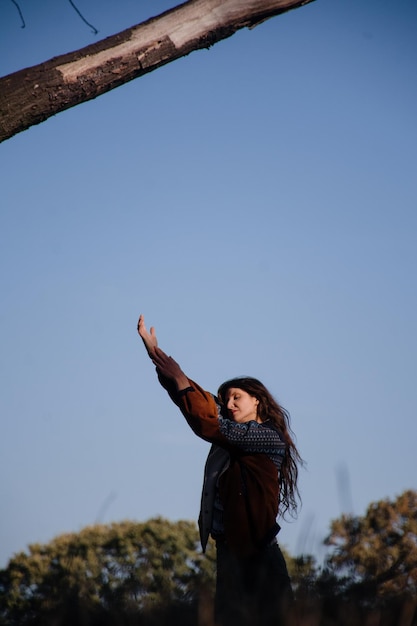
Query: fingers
167, 369
142, 328
141, 324
163, 362
149, 338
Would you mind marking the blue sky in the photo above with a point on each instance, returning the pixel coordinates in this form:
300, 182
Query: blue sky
257, 202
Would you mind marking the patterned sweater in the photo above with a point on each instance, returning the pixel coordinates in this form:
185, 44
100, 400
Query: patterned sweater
246, 474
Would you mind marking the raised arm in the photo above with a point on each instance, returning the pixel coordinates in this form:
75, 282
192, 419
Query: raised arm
197, 405
200, 408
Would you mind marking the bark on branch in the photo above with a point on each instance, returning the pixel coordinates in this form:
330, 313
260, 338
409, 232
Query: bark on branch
34, 94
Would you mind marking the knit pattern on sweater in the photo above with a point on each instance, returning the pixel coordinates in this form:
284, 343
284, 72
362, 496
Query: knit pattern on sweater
254, 438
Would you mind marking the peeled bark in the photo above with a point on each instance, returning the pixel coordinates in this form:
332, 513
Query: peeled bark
34, 94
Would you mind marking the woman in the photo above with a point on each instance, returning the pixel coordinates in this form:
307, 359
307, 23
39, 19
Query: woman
250, 476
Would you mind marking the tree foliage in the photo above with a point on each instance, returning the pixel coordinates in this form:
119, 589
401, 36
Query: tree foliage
153, 574
103, 572
379, 550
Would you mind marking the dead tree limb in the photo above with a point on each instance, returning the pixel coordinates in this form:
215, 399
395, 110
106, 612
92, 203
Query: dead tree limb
32, 95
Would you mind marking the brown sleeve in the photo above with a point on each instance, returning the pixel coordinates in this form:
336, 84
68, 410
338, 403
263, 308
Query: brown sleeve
199, 409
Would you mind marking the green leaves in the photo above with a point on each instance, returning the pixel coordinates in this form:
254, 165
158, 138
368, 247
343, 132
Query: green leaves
379, 548
153, 572
117, 569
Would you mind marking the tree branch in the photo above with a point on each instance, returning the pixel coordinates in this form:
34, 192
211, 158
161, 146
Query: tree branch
32, 95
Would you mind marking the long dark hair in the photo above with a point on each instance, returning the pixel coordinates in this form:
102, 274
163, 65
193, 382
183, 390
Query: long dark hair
269, 409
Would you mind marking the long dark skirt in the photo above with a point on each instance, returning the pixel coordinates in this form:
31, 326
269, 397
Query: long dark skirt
252, 591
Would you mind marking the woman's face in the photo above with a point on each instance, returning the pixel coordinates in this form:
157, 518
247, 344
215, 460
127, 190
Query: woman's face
242, 407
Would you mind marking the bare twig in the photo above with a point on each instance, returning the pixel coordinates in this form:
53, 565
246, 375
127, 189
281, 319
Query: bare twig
93, 28
20, 12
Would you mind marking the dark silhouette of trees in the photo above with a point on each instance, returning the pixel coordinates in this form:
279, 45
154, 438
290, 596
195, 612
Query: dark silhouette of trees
370, 574
153, 574
123, 573
378, 550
